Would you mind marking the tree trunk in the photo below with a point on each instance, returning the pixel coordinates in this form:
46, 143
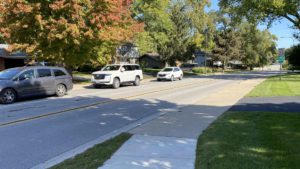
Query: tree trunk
251, 67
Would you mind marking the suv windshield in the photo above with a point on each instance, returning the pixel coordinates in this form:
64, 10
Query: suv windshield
111, 67
167, 70
9, 74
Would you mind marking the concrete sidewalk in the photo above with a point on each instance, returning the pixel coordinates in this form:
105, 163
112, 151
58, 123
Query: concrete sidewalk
169, 142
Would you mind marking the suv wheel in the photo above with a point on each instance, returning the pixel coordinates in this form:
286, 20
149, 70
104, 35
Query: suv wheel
172, 78
181, 77
116, 83
60, 90
8, 96
137, 81
97, 86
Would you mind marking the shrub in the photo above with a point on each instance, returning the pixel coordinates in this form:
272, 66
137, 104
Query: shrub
201, 70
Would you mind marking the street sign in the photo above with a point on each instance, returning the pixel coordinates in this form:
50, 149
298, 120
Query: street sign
281, 59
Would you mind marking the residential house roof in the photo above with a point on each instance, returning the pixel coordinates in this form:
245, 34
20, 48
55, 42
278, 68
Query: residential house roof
14, 55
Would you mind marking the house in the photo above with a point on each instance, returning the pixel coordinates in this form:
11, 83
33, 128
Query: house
151, 60
201, 59
10, 60
127, 53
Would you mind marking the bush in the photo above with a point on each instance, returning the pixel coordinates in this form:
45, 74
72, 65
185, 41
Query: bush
201, 70
151, 71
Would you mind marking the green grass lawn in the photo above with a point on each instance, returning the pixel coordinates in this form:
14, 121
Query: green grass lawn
289, 85
251, 140
96, 156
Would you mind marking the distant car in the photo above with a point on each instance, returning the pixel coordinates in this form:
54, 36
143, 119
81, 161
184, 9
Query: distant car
33, 81
170, 73
116, 74
188, 66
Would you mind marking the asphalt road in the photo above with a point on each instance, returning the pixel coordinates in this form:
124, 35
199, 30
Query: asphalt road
34, 131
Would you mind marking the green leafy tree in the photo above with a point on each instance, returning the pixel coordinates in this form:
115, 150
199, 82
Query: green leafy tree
228, 46
293, 56
179, 36
203, 24
263, 10
228, 42
258, 47
174, 28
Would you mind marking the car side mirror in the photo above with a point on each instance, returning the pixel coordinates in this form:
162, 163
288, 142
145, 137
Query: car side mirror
122, 69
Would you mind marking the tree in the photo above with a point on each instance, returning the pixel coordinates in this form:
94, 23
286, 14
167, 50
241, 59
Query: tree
173, 27
263, 10
179, 36
228, 41
67, 32
293, 56
228, 46
203, 24
154, 14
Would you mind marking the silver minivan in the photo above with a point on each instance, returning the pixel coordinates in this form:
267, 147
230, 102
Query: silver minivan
30, 81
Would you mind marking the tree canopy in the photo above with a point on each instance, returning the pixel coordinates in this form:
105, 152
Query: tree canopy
170, 27
67, 32
293, 56
263, 10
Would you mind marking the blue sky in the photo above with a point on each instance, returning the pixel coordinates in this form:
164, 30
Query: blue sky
282, 29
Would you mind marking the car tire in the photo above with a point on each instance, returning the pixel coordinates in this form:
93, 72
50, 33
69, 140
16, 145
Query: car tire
181, 77
8, 96
159, 80
137, 81
172, 78
97, 86
61, 90
116, 83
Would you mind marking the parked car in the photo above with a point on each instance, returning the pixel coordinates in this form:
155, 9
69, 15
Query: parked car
33, 81
170, 73
117, 74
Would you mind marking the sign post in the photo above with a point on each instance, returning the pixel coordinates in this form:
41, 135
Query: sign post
281, 59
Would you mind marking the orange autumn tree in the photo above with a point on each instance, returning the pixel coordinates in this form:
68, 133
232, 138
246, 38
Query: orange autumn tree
68, 32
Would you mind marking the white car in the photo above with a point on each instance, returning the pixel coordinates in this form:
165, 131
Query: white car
170, 73
117, 74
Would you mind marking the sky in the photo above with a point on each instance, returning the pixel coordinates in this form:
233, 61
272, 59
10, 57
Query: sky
282, 29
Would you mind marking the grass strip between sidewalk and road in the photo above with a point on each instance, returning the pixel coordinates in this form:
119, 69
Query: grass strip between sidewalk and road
251, 140
95, 156
289, 85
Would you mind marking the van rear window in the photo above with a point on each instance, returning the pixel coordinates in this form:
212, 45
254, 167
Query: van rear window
44, 72
58, 72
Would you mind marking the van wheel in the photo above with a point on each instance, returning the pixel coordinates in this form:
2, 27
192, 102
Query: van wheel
137, 81
116, 83
8, 96
60, 90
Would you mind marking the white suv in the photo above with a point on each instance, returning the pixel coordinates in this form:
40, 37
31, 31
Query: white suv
117, 74
170, 73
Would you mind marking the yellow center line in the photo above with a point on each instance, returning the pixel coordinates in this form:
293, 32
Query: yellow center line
96, 104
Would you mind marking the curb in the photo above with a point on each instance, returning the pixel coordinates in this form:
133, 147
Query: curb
80, 149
